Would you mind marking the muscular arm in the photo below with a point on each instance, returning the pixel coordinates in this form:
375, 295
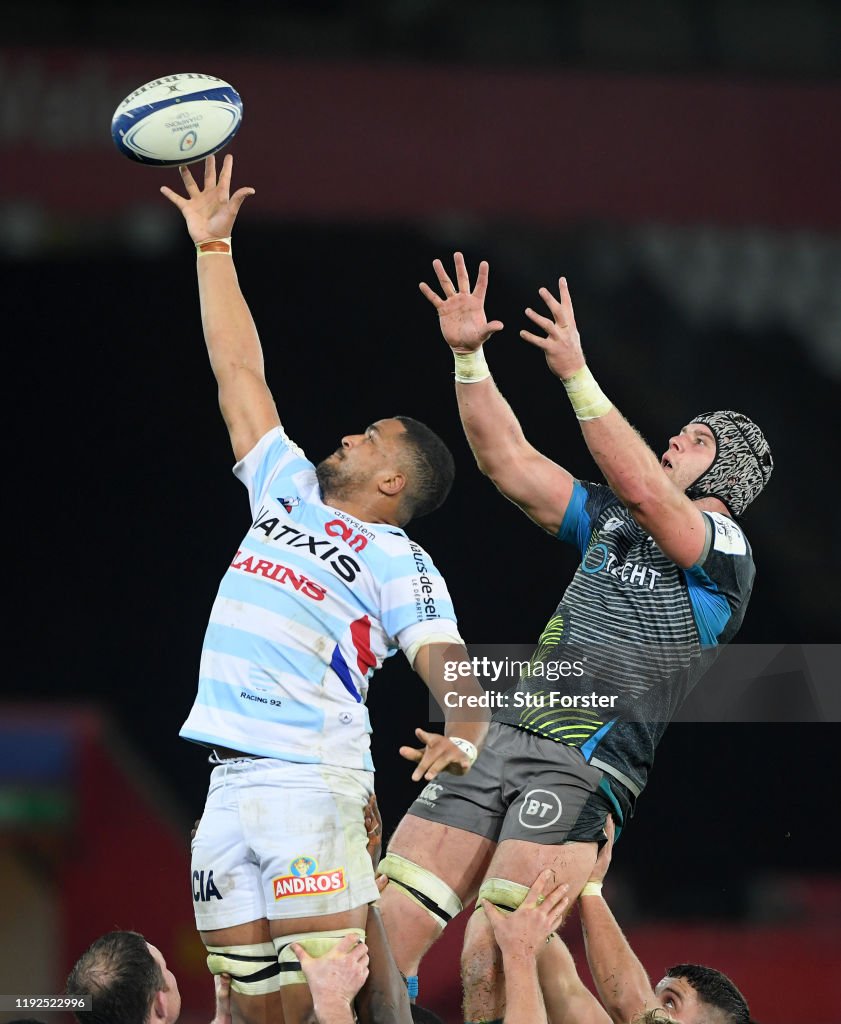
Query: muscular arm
631, 469
567, 998
539, 486
634, 474
523, 998
620, 978
236, 357
623, 985
434, 663
231, 337
521, 937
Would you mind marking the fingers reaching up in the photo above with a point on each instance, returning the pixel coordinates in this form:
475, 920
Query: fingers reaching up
209, 211
461, 311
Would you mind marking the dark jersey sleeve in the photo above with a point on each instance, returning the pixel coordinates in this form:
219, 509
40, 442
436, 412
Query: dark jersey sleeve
586, 504
721, 583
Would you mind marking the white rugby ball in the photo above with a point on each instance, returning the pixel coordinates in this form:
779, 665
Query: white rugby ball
177, 119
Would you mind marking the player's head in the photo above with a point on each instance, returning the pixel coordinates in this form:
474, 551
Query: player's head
128, 980
432, 468
742, 463
398, 463
693, 994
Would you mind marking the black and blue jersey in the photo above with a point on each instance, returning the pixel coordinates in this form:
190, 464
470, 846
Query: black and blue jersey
633, 633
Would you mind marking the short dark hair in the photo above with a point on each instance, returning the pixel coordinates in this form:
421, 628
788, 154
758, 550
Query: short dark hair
122, 976
715, 989
433, 465
421, 1015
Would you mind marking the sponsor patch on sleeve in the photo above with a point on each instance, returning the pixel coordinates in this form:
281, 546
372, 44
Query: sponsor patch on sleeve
727, 537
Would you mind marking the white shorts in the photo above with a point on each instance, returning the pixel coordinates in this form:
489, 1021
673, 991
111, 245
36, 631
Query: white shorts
281, 840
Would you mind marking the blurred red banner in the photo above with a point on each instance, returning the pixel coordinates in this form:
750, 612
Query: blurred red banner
400, 142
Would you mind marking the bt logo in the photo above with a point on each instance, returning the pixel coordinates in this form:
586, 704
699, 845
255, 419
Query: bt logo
540, 807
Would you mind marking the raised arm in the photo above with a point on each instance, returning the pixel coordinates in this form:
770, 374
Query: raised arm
521, 936
232, 341
630, 467
539, 486
622, 983
567, 998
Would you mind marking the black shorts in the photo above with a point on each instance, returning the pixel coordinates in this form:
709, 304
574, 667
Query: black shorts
526, 787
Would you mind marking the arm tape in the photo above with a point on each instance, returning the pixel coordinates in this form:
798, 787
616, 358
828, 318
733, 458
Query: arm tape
411, 651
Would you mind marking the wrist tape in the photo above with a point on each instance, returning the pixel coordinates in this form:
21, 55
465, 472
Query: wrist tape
466, 747
214, 247
588, 399
471, 366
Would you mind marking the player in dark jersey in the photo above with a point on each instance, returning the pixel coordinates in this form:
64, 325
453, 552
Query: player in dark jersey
689, 993
664, 578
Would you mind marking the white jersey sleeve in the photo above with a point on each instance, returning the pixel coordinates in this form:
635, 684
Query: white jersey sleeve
274, 456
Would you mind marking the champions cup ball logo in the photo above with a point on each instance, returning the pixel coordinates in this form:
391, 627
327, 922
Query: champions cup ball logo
177, 119
306, 880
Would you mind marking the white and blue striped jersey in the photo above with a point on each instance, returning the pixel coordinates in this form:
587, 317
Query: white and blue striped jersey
312, 604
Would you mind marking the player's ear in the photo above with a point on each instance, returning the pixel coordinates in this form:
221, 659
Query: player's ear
158, 1010
391, 483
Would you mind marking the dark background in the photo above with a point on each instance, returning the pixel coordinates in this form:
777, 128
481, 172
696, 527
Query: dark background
121, 509
132, 512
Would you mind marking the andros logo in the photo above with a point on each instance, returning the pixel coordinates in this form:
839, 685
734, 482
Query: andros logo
303, 866
306, 880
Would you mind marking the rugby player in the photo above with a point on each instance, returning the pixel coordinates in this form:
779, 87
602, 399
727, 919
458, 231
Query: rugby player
323, 588
664, 579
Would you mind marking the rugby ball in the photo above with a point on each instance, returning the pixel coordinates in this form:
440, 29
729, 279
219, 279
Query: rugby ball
177, 119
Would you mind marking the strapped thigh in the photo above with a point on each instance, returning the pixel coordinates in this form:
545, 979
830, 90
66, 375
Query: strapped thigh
315, 943
503, 893
254, 969
422, 887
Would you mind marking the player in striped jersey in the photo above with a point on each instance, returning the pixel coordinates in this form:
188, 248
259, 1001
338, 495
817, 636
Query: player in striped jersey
323, 588
664, 578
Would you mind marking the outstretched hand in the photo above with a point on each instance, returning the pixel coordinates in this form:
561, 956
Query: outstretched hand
536, 919
438, 754
210, 211
461, 312
562, 343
